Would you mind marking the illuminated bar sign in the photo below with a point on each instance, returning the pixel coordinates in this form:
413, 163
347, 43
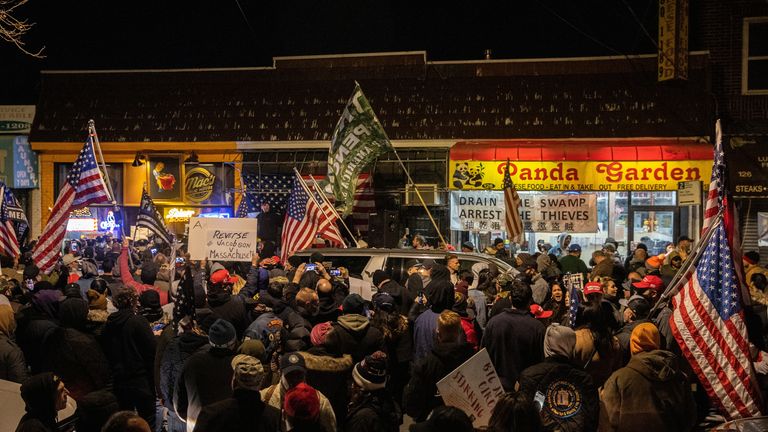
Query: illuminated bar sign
178, 214
578, 175
82, 224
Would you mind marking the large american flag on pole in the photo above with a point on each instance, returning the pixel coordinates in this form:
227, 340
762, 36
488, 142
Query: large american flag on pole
512, 203
9, 243
307, 217
84, 186
708, 317
712, 206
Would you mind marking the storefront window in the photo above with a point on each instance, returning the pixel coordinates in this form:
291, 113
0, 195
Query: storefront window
654, 198
655, 229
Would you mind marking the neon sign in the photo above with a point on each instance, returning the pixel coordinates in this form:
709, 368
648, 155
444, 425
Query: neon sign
109, 223
81, 224
178, 214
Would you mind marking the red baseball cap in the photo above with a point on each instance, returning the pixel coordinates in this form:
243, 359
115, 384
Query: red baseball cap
222, 276
539, 312
649, 282
593, 288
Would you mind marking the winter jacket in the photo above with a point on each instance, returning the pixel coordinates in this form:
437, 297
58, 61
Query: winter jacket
352, 334
179, 349
470, 332
12, 365
329, 376
414, 285
79, 361
624, 335
649, 394
603, 269
515, 341
205, 378
230, 308
299, 330
570, 400
33, 328
481, 308
273, 396
243, 412
540, 289
128, 280
374, 412
599, 362
130, 346
559, 250
421, 396
573, 264
257, 281
39, 393
424, 331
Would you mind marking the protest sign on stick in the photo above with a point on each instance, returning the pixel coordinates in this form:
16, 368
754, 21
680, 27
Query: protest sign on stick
222, 239
474, 388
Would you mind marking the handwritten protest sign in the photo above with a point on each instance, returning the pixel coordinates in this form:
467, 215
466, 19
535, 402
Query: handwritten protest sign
474, 388
222, 239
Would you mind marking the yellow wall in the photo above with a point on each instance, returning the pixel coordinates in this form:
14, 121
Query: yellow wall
133, 177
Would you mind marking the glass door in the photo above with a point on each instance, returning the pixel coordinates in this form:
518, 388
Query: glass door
653, 220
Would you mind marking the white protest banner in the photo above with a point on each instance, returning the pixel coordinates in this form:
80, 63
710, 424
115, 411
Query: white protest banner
477, 210
473, 387
573, 213
484, 211
222, 239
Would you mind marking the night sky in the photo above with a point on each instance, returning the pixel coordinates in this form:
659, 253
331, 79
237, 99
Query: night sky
140, 34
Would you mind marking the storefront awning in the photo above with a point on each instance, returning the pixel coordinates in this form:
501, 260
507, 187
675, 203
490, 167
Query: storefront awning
647, 149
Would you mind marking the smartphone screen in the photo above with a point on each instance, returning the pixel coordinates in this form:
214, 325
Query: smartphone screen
310, 267
335, 272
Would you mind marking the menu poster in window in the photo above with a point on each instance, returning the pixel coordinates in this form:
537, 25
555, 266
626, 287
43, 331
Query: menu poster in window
222, 239
164, 178
747, 159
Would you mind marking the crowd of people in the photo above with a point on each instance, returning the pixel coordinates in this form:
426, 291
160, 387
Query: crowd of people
144, 339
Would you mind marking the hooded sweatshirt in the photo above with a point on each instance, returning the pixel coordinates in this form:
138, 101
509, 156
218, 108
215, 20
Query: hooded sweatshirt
39, 394
650, 393
561, 247
352, 334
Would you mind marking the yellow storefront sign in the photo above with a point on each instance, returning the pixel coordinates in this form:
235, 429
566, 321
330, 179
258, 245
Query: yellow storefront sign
578, 175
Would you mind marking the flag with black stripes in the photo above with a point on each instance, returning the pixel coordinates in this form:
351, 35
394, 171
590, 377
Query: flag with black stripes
184, 304
151, 219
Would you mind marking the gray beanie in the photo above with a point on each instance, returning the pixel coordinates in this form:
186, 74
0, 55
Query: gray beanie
559, 340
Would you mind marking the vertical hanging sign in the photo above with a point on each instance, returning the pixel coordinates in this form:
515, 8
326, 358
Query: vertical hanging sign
673, 40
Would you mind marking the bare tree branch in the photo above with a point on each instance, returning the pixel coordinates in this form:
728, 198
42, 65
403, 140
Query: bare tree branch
13, 29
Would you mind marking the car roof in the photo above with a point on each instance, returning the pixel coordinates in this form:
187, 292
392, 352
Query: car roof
437, 253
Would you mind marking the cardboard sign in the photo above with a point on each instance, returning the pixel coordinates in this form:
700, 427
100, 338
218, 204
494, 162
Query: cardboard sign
474, 388
222, 239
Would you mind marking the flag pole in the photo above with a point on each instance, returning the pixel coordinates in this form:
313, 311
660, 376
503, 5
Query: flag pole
310, 194
97, 144
333, 209
418, 194
674, 285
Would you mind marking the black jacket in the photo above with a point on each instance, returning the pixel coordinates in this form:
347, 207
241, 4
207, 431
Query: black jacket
38, 392
403, 300
230, 308
329, 376
176, 353
570, 400
130, 347
420, 396
515, 341
33, 328
12, 365
206, 378
243, 412
354, 335
78, 360
374, 412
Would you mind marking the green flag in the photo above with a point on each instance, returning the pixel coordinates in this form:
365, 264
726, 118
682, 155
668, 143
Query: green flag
357, 141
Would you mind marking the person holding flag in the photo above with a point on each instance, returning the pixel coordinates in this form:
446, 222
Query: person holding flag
9, 243
151, 219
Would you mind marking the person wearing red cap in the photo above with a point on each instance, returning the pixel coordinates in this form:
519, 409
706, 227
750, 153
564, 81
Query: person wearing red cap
225, 305
652, 287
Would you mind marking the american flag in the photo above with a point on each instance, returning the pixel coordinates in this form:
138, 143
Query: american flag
276, 188
708, 318
714, 194
574, 284
242, 209
84, 186
305, 219
9, 243
151, 219
512, 203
